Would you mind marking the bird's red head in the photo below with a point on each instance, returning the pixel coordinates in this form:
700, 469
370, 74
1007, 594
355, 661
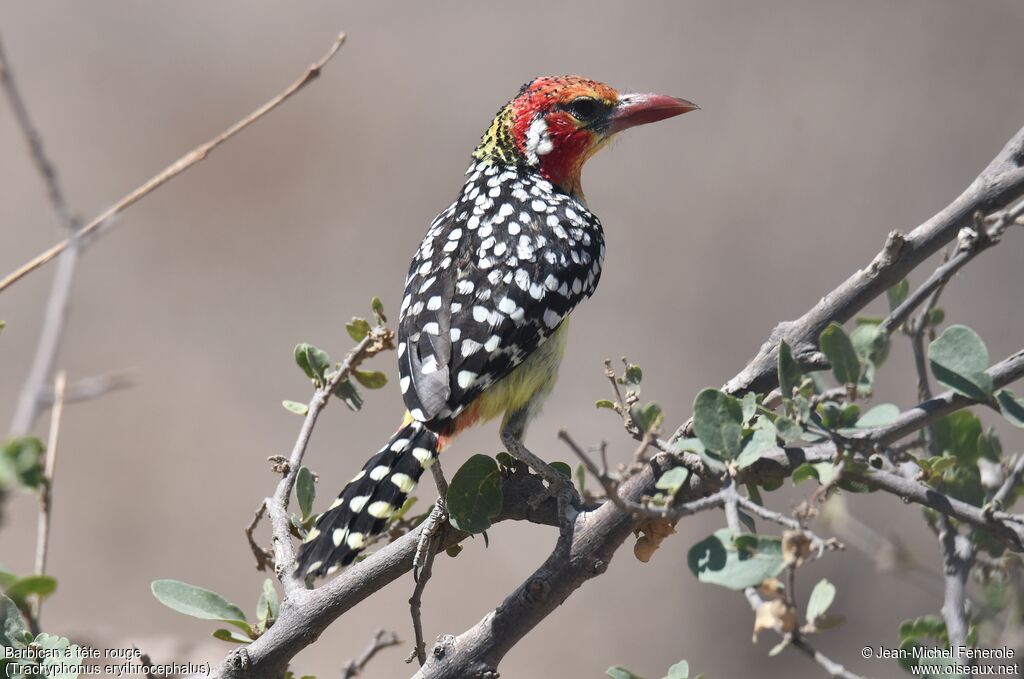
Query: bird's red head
555, 123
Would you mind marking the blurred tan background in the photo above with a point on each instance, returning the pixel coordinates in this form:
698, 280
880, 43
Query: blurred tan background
824, 125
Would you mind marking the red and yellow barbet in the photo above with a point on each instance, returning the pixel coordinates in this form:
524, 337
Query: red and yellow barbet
489, 292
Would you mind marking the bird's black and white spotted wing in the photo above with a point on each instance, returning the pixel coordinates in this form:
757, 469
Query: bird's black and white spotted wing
494, 277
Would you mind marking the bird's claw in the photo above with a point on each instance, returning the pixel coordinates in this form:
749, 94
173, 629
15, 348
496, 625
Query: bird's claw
431, 529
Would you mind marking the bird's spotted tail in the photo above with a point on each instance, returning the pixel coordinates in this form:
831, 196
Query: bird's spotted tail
364, 505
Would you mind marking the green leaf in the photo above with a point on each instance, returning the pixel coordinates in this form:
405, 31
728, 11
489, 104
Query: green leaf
958, 359
229, 635
378, 310
788, 430
870, 343
633, 375
958, 434
964, 483
762, 440
822, 472
22, 462
22, 588
681, 670
879, 416
789, 370
821, 598
940, 464
453, 550
61, 658
717, 560
371, 379
605, 403
199, 603
646, 417
474, 495
305, 491
836, 345
1011, 407
313, 361
581, 477
295, 407
924, 627
989, 445
562, 468
672, 480
358, 329
267, 608
718, 421
749, 406
506, 461
620, 672
348, 393
897, 294
12, 626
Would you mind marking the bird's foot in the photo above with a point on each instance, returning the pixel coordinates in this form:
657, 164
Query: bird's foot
558, 485
432, 530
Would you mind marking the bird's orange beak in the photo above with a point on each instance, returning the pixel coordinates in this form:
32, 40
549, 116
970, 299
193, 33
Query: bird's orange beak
640, 109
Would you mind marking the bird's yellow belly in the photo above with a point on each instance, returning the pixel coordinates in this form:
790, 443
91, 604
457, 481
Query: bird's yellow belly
526, 386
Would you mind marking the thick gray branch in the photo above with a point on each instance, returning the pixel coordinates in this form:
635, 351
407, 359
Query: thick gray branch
999, 185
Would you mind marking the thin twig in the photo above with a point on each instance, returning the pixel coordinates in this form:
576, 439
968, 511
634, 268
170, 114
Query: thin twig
378, 339
611, 489
1013, 479
46, 168
46, 489
792, 639
381, 639
977, 240
174, 169
818, 543
89, 388
264, 557
56, 311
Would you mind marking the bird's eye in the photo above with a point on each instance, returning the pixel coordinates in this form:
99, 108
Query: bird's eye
583, 109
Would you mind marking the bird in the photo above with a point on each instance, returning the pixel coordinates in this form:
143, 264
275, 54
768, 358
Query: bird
482, 324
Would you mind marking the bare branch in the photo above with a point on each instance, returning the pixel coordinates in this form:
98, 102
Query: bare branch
264, 557
56, 312
1013, 480
89, 388
378, 339
792, 639
969, 247
47, 170
174, 169
381, 640
46, 489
